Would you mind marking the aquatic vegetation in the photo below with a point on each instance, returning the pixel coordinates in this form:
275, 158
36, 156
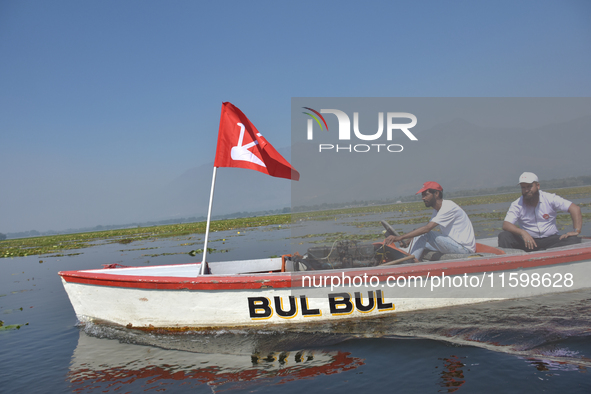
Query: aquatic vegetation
564, 218
51, 244
209, 250
341, 236
392, 221
7, 311
161, 254
489, 215
398, 214
11, 326
130, 250
63, 255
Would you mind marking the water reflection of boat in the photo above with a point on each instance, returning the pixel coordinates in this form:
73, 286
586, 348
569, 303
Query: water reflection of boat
275, 291
102, 363
452, 376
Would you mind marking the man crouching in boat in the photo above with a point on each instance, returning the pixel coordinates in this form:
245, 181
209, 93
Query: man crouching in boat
535, 212
457, 233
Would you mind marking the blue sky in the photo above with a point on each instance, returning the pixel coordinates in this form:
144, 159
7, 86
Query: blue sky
101, 101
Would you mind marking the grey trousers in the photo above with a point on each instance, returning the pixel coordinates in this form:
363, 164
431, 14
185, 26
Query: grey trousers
510, 240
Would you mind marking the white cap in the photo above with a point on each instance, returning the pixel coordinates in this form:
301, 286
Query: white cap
528, 177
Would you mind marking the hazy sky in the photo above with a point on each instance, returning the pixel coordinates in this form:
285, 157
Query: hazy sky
103, 101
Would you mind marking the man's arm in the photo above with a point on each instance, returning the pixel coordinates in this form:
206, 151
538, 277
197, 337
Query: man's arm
577, 217
528, 239
414, 233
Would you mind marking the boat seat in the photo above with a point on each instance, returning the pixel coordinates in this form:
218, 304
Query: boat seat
482, 250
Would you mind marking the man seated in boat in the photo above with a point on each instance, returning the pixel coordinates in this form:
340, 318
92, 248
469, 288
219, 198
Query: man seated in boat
457, 233
535, 212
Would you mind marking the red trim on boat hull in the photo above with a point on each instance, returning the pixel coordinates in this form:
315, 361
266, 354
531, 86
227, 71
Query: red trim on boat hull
288, 280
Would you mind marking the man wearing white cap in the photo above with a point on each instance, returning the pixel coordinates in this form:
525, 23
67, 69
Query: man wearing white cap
535, 212
457, 233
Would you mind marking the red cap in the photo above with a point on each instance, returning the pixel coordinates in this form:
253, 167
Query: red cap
430, 185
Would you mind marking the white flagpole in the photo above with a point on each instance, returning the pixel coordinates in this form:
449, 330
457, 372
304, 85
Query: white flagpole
202, 271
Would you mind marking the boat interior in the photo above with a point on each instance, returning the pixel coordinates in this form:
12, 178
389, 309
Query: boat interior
320, 258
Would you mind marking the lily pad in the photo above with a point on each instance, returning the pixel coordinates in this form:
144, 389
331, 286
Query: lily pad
11, 326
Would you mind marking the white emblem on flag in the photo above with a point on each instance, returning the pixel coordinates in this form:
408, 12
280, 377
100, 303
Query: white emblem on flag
242, 153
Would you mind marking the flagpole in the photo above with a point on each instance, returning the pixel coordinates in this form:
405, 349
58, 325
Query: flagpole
202, 271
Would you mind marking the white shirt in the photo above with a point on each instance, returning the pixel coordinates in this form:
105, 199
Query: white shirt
455, 223
538, 221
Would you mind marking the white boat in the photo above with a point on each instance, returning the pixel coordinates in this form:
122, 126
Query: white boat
276, 291
293, 290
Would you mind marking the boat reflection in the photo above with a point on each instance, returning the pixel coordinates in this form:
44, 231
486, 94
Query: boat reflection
551, 365
452, 376
104, 362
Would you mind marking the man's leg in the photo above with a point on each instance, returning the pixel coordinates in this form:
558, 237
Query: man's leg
554, 241
509, 240
567, 241
437, 242
444, 244
418, 246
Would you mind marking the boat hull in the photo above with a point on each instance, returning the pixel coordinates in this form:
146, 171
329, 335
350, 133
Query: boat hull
117, 296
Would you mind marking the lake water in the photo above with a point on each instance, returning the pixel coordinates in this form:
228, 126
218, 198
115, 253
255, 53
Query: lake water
527, 345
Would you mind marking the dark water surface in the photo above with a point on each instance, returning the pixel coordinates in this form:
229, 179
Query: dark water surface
526, 345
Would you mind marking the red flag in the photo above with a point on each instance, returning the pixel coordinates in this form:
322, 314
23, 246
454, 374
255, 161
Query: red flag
241, 145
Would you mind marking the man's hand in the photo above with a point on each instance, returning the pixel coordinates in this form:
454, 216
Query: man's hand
393, 238
571, 234
414, 233
529, 241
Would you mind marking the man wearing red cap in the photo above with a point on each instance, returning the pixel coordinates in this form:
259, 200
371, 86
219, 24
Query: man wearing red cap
535, 212
457, 233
